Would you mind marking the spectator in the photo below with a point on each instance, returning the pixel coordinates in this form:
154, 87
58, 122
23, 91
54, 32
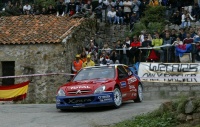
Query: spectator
196, 12
77, 64
106, 48
71, 7
156, 42
88, 62
83, 56
109, 5
104, 58
125, 52
197, 56
178, 43
60, 5
186, 19
192, 32
175, 19
118, 4
142, 7
93, 50
112, 16
127, 10
135, 8
26, 9
145, 52
98, 12
43, 12
88, 8
182, 34
134, 51
188, 39
114, 57
168, 50
51, 9
79, 6
133, 20
173, 35
120, 16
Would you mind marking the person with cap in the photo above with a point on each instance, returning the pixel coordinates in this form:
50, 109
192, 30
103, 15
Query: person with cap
77, 64
88, 62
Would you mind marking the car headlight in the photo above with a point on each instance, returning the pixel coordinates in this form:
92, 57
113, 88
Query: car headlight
100, 90
61, 92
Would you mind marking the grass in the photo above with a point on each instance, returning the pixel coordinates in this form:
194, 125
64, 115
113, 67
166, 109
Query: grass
164, 116
154, 119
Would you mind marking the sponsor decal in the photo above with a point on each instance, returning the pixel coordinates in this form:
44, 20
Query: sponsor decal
131, 87
124, 95
80, 87
75, 101
104, 98
123, 84
131, 80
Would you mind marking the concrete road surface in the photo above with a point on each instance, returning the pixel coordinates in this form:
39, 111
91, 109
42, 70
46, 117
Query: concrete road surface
46, 115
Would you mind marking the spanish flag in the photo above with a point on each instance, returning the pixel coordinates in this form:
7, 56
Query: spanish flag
14, 92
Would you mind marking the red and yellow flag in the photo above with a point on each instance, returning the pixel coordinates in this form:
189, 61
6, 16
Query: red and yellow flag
14, 92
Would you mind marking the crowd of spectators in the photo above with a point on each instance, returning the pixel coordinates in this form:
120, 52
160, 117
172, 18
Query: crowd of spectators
128, 12
167, 45
59, 8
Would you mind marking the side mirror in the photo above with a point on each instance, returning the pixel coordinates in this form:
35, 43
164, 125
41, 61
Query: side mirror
69, 80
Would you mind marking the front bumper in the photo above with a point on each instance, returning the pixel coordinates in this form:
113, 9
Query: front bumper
94, 100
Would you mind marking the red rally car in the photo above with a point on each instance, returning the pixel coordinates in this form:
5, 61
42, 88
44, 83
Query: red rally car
100, 86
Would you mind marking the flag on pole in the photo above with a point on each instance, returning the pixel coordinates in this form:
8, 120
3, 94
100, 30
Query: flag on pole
14, 92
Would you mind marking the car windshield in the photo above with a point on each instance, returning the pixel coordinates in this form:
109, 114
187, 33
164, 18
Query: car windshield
95, 73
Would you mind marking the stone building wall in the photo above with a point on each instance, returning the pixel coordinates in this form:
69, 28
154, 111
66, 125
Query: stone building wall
170, 90
47, 58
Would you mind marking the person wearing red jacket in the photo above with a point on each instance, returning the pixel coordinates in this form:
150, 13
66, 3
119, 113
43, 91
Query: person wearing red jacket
135, 51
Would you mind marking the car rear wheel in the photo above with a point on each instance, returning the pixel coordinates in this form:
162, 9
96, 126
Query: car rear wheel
139, 94
117, 97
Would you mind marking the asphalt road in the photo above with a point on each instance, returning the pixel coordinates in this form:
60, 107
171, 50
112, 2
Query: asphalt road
46, 115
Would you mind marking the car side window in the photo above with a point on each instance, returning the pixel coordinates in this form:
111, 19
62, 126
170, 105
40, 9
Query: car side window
122, 72
128, 71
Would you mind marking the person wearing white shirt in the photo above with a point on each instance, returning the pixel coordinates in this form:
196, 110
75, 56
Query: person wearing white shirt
112, 16
127, 10
27, 9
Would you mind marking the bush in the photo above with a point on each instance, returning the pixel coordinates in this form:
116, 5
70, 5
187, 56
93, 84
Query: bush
153, 20
153, 14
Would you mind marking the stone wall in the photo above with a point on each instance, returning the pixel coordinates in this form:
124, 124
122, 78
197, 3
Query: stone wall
47, 58
169, 90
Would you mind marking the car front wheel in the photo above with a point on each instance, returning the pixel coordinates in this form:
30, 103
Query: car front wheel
117, 97
139, 94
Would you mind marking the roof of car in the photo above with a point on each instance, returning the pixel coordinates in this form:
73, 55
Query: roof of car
109, 65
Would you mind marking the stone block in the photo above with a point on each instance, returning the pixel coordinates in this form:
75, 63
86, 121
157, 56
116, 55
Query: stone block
195, 88
153, 88
183, 88
174, 94
173, 88
166, 88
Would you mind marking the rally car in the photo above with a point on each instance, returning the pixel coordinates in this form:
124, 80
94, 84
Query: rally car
108, 85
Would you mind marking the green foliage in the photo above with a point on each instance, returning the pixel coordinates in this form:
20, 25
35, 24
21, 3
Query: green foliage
153, 20
45, 3
153, 14
154, 119
138, 27
155, 26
